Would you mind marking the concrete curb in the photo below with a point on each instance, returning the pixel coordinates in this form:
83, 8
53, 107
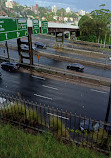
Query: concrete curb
68, 59
66, 74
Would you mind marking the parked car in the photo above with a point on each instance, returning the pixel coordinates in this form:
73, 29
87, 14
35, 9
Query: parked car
90, 126
76, 66
40, 45
10, 66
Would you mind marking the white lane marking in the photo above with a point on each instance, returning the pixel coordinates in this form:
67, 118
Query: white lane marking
42, 96
38, 77
50, 87
58, 116
97, 91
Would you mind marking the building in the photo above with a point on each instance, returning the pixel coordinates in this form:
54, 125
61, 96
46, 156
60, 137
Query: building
35, 9
43, 18
71, 19
82, 12
65, 19
10, 3
54, 9
55, 17
68, 10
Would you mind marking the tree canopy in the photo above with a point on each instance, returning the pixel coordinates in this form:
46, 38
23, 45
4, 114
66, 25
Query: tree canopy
94, 27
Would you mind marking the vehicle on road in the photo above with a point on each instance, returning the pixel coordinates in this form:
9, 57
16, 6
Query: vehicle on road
109, 46
10, 66
26, 47
76, 66
90, 125
40, 45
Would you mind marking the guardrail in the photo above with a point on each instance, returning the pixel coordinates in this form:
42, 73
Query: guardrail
62, 124
66, 74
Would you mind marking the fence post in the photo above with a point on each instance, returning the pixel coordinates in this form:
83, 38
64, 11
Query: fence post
108, 107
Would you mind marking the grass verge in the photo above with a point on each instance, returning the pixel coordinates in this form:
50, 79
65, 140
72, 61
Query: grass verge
16, 143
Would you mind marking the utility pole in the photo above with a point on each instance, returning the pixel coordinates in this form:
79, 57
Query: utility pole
108, 107
30, 45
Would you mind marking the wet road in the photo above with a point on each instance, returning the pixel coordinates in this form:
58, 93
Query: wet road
88, 102
60, 64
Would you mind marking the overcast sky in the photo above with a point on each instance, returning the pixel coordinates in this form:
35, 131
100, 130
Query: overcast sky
75, 5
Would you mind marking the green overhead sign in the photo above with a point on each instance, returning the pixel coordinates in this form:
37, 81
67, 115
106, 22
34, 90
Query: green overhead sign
12, 28
44, 27
36, 28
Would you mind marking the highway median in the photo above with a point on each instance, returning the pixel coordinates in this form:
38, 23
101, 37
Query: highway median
71, 75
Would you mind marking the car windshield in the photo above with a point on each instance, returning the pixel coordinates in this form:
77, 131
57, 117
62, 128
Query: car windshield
77, 64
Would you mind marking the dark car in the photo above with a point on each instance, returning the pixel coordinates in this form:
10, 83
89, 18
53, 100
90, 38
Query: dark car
10, 66
40, 45
109, 46
76, 66
90, 126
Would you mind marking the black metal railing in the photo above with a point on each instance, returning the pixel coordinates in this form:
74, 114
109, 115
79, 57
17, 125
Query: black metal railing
65, 125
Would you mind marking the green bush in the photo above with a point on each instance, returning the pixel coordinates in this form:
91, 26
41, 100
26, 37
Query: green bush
21, 113
58, 127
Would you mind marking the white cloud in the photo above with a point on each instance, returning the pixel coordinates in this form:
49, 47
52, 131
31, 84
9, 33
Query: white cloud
59, 5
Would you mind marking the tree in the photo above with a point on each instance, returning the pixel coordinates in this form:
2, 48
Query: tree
74, 15
94, 27
87, 32
61, 12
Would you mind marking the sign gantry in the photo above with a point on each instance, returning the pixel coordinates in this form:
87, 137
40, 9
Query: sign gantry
44, 27
12, 28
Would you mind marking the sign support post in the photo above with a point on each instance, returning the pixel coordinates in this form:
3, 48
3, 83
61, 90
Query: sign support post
30, 45
6, 44
19, 50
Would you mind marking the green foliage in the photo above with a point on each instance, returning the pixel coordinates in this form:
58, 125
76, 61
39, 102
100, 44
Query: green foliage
25, 12
43, 11
3, 3
102, 139
49, 16
21, 113
61, 12
94, 28
58, 127
15, 143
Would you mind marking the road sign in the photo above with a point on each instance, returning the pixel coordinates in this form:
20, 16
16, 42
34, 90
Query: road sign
59, 37
36, 28
12, 28
44, 27
22, 28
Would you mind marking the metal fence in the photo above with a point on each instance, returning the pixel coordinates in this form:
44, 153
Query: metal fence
64, 125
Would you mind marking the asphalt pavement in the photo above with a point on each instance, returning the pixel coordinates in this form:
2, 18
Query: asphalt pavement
59, 64
88, 102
